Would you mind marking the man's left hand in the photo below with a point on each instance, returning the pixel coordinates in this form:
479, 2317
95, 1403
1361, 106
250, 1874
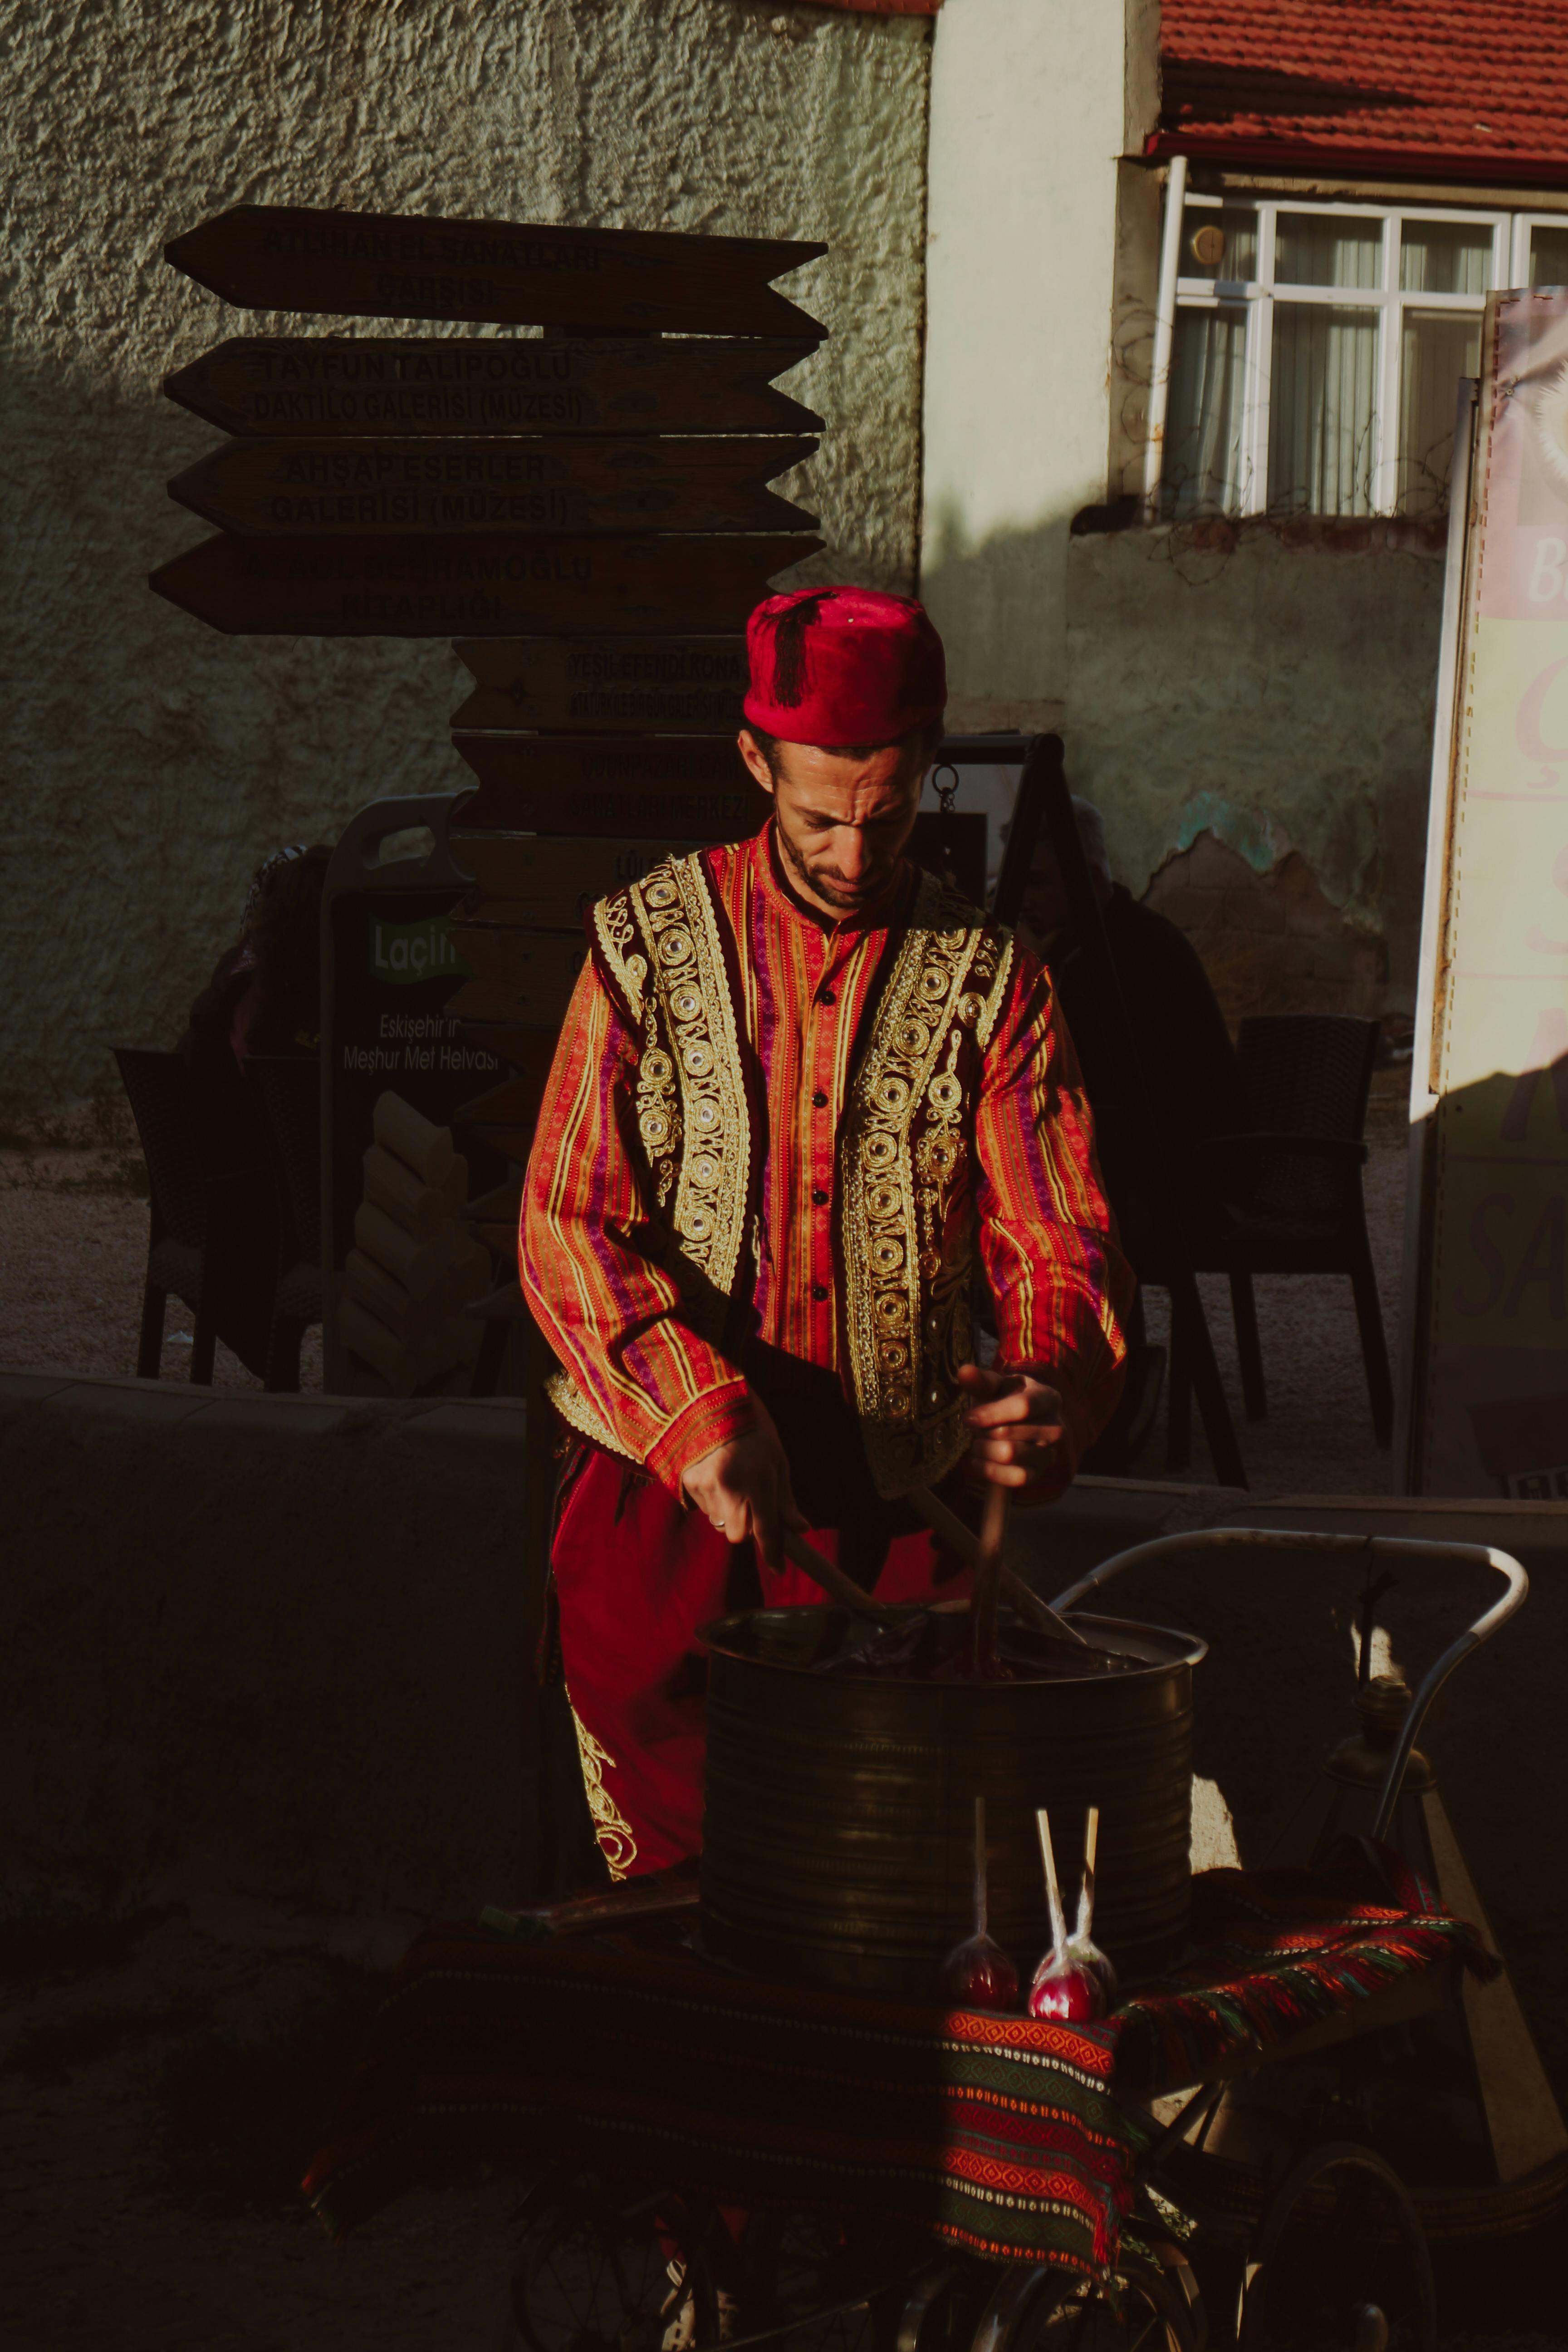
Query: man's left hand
1019, 1434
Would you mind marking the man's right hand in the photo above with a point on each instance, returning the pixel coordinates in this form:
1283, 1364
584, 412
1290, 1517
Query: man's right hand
743, 1487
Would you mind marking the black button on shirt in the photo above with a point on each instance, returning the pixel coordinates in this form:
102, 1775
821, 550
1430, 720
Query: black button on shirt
825, 996
819, 1290
820, 1197
819, 1099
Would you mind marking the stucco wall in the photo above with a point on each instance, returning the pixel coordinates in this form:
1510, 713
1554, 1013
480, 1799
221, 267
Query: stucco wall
1032, 102
149, 763
1272, 689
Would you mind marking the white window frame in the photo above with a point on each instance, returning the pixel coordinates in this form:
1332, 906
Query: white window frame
1524, 226
1511, 239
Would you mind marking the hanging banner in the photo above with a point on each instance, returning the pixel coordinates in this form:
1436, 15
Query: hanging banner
1487, 1408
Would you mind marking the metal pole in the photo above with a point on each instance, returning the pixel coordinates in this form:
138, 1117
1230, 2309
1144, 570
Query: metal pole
1164, 331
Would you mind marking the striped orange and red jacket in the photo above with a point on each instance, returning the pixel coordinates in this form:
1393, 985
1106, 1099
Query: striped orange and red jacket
761, 1122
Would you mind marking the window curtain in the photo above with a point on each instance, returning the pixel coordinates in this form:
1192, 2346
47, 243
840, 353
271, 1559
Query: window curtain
1202, 472
1321, 409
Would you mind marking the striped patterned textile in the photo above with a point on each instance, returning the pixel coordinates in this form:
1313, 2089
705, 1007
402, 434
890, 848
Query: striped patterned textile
1000, 2133
1281, 1949
804, 990
1003, 2136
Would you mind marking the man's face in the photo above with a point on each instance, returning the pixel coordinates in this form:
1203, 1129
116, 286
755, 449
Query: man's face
844, 817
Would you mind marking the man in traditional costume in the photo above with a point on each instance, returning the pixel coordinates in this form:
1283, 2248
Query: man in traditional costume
803, 1091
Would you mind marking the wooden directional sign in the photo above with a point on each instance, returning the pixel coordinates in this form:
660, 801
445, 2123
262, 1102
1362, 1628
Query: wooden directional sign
447, 384
669, 787
440, 587
381, 266
516, 975
328, 487
551, 882
687, 685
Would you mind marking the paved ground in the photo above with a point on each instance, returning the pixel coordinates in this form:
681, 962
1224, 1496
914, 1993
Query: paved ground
160, 2090
158, 2094
157, 2102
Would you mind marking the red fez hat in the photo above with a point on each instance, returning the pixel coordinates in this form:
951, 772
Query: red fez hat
835, 665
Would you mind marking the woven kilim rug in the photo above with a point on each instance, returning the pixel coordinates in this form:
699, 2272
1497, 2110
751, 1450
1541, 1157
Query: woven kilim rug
1002, 2135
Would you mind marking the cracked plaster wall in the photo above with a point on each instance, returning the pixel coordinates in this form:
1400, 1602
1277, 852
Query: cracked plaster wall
149, 761
1269, 691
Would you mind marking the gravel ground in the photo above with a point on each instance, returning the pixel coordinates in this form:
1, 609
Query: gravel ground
73, 1255
1318, 1438
73, 1246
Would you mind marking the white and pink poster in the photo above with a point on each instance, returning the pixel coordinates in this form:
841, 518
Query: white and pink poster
1490, 1392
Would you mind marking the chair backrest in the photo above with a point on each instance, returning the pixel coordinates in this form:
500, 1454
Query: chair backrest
1305, 1073
289, 1088
160, 1097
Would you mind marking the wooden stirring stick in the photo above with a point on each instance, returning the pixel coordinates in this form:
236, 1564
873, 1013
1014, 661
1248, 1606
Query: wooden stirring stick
964, 1545
987, 1588
838, 1587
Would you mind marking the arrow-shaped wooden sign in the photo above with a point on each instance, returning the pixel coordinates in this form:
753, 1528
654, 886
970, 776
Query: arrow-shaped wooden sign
517, 975
667, 787
492, 383
686, 686
323, 487
549, 884
463, 586
385, 265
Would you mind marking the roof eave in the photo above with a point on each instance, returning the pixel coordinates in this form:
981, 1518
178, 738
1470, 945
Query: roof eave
1351, 160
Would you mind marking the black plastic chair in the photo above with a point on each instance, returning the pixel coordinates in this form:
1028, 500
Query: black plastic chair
288, 1090
212, 1234
1285, 1197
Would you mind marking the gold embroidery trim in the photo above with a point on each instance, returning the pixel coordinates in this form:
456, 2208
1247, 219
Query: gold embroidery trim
708, 1139
611, 1828
574, 1409
616, 933
903, 1300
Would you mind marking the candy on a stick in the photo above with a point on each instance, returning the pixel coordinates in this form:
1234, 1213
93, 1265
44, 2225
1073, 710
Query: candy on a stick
978, 1973
1082, 1945
1063, 1988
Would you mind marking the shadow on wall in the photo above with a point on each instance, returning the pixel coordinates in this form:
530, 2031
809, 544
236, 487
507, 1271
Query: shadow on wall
1001, 604
1271, 942
1269, 683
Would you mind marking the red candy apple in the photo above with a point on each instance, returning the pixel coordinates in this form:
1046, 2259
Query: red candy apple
978, 1973
1068, 1989
1070, 1982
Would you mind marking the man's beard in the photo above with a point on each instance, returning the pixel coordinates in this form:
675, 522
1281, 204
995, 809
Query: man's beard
828, 885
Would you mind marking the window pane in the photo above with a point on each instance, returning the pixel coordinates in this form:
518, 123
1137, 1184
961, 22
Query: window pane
1202, 469
1549, 257
1233, 228
1316, 249
1438, 350
1444, 258
1320, 407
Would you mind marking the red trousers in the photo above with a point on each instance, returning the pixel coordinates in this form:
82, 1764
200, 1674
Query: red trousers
636, 1576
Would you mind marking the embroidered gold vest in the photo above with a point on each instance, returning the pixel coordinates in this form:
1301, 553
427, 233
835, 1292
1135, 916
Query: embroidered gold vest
664, 949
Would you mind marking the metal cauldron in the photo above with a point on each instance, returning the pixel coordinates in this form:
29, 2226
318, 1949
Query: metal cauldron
838, 1843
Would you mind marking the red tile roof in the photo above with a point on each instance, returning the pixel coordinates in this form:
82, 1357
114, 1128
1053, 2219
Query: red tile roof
1477, 88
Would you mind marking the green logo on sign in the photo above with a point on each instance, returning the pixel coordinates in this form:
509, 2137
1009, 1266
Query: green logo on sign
405, 953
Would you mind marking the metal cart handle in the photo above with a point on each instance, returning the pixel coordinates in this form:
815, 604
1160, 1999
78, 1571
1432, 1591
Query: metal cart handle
1405, 1548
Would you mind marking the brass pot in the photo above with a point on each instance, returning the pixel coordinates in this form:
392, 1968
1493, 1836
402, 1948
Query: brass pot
838, 1843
